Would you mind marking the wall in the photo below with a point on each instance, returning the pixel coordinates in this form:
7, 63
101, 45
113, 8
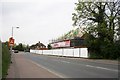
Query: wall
70, 52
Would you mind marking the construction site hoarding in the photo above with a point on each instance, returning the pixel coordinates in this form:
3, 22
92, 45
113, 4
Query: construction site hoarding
60, 44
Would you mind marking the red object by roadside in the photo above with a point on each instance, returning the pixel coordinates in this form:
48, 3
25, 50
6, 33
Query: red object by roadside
11, 41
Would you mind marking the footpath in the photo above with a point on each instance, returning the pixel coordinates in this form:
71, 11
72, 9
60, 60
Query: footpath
24, 68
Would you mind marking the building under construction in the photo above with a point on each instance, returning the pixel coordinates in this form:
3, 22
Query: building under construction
74, 38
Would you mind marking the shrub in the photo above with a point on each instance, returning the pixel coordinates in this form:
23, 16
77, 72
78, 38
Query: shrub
6, 59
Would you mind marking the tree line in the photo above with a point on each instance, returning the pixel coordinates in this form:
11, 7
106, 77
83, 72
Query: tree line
21, 47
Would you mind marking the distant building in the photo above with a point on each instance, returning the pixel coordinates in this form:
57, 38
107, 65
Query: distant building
38, 46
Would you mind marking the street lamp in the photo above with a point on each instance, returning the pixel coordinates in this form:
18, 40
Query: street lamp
12, 30
12, 39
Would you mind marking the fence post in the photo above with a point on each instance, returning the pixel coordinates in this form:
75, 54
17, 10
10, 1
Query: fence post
42, 52
62, 52
52, 52
73, 52
79, 52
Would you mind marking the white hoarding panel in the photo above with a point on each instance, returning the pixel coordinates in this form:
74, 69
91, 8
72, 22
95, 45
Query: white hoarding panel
56, 52
76, 52
73, 52
68, 52
31, 50
40, 52
84, 52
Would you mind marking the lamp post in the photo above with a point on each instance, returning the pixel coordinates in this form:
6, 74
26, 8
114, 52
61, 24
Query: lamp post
12, 30
12, 38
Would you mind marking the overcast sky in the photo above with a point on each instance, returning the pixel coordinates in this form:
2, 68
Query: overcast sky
41, 20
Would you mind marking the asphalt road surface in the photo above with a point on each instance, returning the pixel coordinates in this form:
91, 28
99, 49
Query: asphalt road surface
74, 67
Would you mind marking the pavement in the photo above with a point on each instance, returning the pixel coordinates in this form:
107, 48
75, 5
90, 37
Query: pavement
22, 67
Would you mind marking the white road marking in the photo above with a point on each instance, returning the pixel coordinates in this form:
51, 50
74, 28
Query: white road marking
51, 71
88, 65
65, 61
61, 61
102, 68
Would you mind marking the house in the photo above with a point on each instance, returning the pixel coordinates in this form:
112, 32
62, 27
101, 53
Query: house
38, 46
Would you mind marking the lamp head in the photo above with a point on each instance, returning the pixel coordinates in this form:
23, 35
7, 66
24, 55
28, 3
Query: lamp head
17, 27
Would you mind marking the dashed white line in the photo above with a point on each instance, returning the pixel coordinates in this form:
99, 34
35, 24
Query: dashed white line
92, 66
102, 68
61, 61
65, 61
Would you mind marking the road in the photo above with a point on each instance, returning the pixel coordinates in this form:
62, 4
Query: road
74, 67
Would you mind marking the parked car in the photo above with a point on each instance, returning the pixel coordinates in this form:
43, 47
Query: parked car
16, 51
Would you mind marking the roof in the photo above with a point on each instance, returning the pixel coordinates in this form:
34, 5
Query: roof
37, 45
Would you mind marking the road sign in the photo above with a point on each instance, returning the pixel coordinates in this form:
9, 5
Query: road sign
11, 41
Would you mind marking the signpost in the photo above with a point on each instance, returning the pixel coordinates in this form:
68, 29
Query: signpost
11, 41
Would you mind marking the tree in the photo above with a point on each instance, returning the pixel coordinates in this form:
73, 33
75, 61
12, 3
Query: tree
101, 21
49, 46
19, 47
27, 48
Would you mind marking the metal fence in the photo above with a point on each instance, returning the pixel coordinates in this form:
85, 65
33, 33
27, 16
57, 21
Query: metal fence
70, 52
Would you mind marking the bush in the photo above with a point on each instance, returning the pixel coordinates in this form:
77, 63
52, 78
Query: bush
95, 56
108, 51
6, 59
